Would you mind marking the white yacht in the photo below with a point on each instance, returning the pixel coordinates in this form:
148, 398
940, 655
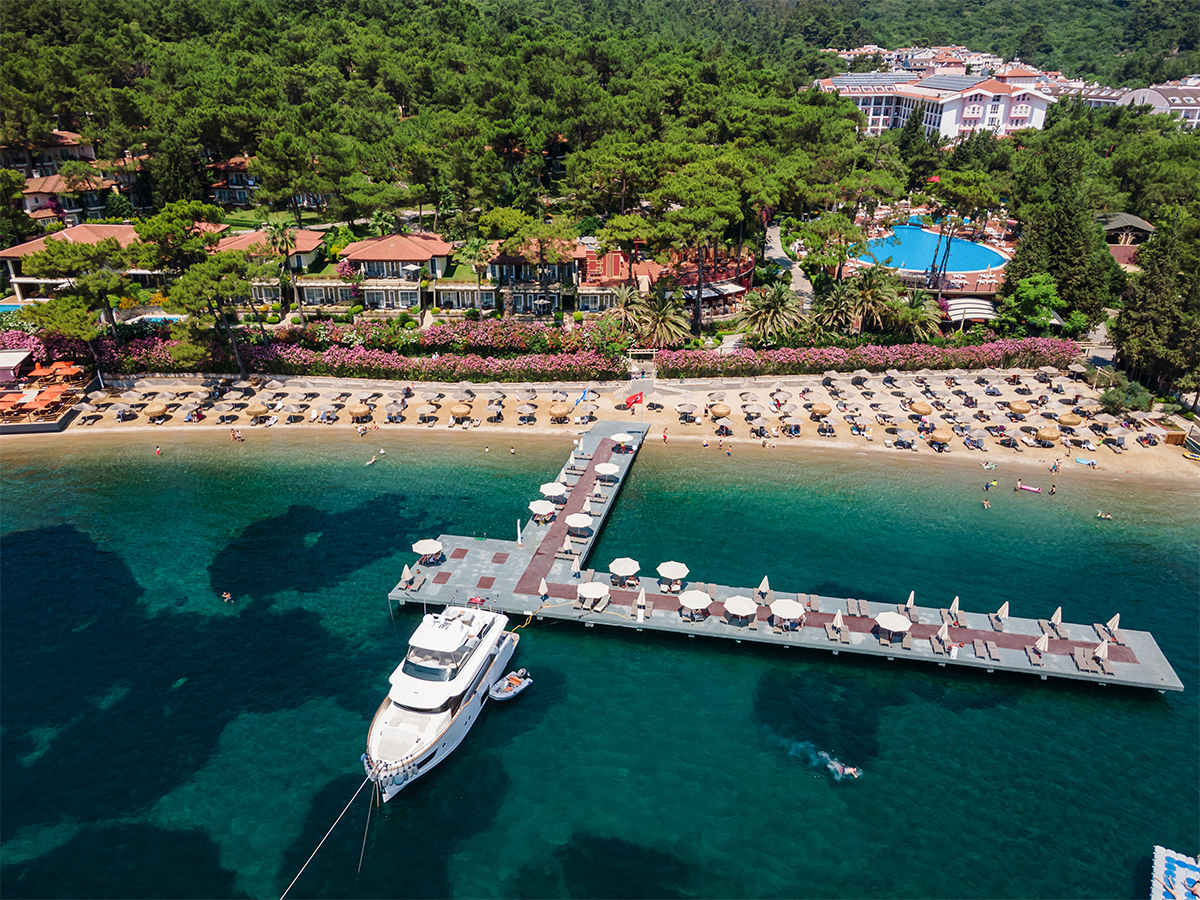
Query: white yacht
437, 692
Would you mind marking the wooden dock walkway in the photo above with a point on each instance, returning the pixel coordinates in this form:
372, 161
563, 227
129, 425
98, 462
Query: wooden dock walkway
507, 575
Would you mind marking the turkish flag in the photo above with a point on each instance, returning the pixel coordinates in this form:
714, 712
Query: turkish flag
636, 398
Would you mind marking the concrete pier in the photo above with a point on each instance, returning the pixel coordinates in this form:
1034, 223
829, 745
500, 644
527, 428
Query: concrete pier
507, 575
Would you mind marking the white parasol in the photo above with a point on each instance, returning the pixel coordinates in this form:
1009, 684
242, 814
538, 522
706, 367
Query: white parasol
741, 606
673, 570
593, 589
427, 547
893, 621
786, 608
695, 600
623, 566
543, 588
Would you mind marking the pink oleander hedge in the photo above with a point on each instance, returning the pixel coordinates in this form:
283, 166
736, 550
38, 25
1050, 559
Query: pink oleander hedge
1022, 353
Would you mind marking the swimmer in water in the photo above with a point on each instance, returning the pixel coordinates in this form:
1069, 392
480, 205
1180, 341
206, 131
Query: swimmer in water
1102, 515
371, 460
986, 505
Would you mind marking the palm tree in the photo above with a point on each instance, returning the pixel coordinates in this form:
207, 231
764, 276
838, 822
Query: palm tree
837, 309
627, 309
772, 313
474, 253
918, 316
874, 290
662, 322
283, 242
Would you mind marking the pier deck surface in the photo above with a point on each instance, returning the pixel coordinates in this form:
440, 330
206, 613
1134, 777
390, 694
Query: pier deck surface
507, 575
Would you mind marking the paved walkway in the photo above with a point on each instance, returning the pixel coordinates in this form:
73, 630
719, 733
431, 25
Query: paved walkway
775, 253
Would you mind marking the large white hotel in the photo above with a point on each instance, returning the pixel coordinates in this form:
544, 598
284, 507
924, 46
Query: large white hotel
955, 105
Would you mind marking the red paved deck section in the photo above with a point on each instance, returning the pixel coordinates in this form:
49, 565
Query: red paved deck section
543, 557
499, 559
486, 582
441, 577
458, 553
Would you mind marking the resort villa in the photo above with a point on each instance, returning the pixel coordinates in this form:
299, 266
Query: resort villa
27, 287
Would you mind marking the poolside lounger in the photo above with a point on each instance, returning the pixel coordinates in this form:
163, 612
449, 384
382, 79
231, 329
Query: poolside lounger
579, 601
997, 622
907, 642
599, 607
586, 575
754, 621
649, 606
851, 607
814, 602
712, 592
993, 651
1061, 631
1105, 666
937, 645
1035, 658
863, 610
1118, 636
913, 615
777, 628
885, 640
566, 554
416, 583
947, 618
829, 632
1081, 662
844, 635
980, 650
1046, 627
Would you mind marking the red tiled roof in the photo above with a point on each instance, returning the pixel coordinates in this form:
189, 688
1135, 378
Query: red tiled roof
79, 234
306, 241
56, 184
578, 252
992, 86
233, 164
398, 247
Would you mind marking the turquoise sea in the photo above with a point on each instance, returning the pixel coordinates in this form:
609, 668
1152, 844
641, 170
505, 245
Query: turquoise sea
159, 742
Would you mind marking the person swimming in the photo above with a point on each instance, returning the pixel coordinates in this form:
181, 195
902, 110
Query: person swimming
371, 460
1102, 515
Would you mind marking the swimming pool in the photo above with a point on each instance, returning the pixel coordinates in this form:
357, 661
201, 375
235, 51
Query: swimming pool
912, 248
8, 307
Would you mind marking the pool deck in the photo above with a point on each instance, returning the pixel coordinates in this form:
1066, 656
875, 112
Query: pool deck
506, 575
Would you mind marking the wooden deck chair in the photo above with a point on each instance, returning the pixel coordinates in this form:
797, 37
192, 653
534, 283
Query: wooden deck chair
649, 606
1080, 660
586, 575
947, 618
417, 582
863, 610
829, 632
602, 605
844, 635
814, 602
996, 621
937, 646
885, 639
907, 642
993, 651
1035, 658
1046, 627
851, 608
712, 592
980, 650
777, 628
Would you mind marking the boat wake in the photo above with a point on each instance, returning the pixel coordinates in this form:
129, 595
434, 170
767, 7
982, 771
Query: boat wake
807, 752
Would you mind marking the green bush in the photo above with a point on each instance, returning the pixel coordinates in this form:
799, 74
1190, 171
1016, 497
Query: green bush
275, 307
410, 325
295, 320
355, 310
272, 320
578, 317
436, 311
472, 314
558, 318
341, 319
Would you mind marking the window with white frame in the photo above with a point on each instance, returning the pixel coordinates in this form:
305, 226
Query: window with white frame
487, 299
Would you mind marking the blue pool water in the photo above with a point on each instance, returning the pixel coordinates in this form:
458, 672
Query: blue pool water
8, 307
911, 247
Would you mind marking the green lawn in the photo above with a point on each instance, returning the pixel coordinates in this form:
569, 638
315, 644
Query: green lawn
252, 218
459, 272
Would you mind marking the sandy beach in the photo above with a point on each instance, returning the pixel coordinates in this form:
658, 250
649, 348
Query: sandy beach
1162, 463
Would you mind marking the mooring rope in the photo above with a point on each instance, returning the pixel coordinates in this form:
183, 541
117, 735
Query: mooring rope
366, 781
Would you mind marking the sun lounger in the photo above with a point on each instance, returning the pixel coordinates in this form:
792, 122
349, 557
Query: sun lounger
814, 603
863, 610
885, 639
1035, 658
947, 618
829, 632
844, 635
907, 642
980, 650
938, 646
997, 622
851, 607
1060, 631
913, 615
993, 651
579, 602
1081, 662
599, 607
712, 592
649, 606
777, 628
1105, 666
1046, 627
753, 621
565, 554
586, 575
416, 583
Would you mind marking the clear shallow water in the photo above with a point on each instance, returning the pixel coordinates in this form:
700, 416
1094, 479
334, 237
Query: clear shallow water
159, 742
911, 247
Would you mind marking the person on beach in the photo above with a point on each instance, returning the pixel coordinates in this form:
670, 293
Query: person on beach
486, 449
158, 451
664, 434
232, 435
706, 443
512, 451
1053, 489
1019, 485
237, 436
371, 460
986, 504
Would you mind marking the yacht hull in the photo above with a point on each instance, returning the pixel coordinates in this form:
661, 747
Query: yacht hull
394, 776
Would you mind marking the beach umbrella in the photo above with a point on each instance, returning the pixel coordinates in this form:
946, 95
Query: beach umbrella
1077, 368
943, 633
463, 395
1048, 370
495, 395
1042, 644
495, 408
831, 373
543, 588
741, 606
695, 600
98, 395
242, 385
1070, 420
1049, 433
978, 434
754, 408
792, 420
155, 409
781, 396
624, 566
621, 438
558, 410
907, 435
821, 409
427, 409
358, 410
1002, 612
608, 470
1114, 623
1020, 407
942, 435
1101, 651
723, 423
912, 596
788, 408
164, 396
892, 373
720, 410
748, 396
131, 395
760, 422
1056, 619
364, 396
85, 407
687, 408
256, 409
566, 547
427, 547
394, 408
460, 410
590, 394
406, 574
764, 586
593, 590
275, 385
553, 489
921, 408
579, 520
575, 561
291, 409
586, 407
541, 507
558, 395
672, 570
786, 608
1102, 418
431, 395
527, 409
838, 624
219, 407
716, 395
587, 508
893, 621
1156, 431
954, 607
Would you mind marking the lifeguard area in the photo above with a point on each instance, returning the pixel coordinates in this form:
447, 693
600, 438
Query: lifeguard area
546, 573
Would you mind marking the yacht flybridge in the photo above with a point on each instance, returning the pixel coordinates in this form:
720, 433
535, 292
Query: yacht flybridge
453, 658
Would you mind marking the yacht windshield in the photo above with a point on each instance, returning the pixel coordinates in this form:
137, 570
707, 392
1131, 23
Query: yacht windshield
426, 672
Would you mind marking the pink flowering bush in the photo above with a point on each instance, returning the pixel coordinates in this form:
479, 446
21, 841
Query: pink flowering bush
1022, 353
20, 340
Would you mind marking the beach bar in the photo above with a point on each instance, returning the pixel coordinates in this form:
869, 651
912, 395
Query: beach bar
544, 574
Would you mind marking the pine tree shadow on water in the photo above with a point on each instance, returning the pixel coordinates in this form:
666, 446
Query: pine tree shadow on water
128, 707
306, 549
126, 861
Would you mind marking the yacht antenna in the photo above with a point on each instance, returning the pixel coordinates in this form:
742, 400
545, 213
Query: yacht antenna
366, 781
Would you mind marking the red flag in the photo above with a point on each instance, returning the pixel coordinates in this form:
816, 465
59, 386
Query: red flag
636, 398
